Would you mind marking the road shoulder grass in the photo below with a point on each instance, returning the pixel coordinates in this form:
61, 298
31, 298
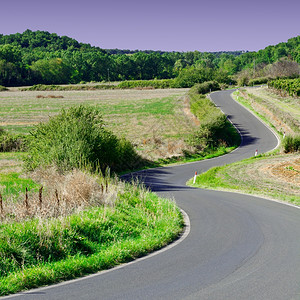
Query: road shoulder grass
256, 176
40, 252
273, 175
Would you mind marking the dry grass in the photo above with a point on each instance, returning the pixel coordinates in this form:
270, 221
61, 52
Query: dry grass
277, 174
139, 115
282, 112
61, 195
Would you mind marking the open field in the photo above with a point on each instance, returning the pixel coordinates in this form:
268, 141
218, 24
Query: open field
154, 120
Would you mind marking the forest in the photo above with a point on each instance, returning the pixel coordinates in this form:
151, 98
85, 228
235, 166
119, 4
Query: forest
40, 57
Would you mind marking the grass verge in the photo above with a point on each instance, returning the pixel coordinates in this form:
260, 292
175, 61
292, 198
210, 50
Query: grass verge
256, 176
41, 251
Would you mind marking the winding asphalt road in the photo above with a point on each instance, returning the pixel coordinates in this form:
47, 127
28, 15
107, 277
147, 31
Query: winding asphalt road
239, 247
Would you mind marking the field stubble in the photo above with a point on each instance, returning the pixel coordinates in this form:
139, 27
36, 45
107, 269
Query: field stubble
153, 120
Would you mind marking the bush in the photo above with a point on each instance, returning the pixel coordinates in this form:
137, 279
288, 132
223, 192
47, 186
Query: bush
258, 80
206, 87
156, 84
77, 138
10, 142
215, 133
291, 144
215, 130
3, 88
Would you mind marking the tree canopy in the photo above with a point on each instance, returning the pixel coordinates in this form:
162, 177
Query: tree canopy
35, 57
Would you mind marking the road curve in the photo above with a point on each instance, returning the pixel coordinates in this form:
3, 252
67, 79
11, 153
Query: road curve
239, 247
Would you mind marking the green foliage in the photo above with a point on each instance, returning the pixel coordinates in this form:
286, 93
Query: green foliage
10, 142
156, 84
51, 71
290, 86
3, 88
206, 87
43, 251
258, 80
215, 130
76, 138
190, 76
291, 144
30, 58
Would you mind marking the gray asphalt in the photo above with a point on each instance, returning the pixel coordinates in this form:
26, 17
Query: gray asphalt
239, 247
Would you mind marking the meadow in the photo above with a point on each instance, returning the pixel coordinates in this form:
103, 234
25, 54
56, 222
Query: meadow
153, 120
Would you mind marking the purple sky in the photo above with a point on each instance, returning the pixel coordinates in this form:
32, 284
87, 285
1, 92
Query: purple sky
169, 25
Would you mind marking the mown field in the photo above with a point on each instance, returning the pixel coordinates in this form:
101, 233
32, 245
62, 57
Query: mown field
153, 120
275, 175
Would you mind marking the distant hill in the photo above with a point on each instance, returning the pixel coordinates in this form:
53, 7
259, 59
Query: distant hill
34, 57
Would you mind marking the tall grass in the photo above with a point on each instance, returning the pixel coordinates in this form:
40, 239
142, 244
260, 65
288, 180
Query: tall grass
291, 143
107, 223
215, 130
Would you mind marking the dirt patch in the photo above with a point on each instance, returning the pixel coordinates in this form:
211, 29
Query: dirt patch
188, 113
287, 171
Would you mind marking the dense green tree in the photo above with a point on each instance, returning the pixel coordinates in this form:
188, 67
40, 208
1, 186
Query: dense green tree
52, 71
43, 57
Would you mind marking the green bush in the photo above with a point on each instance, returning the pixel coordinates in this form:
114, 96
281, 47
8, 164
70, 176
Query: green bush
215, 130
10, 142
156, 84
3, 88
76, 138
206, 87
258, 80
291, 143
289, 86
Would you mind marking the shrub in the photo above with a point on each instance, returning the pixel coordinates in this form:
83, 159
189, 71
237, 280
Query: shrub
288, 86
206, 87
291, 143
10, 142
77, 138
258, 80
215, 133
157, 84
215, 130
3, 88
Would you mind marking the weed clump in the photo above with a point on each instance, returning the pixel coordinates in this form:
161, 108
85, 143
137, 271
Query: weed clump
291, 144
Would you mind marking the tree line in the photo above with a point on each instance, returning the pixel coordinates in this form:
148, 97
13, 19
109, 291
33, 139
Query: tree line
40, 57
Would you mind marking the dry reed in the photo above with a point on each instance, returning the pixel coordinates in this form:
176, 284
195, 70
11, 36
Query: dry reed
60, 195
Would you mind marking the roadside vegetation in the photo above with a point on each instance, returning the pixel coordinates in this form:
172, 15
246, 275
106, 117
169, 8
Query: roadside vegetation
68, 216
88, 228
274, 175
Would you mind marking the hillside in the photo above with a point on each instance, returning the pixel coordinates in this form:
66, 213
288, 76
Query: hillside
34, 57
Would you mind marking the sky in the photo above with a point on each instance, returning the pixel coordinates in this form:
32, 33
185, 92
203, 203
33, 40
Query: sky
167, 25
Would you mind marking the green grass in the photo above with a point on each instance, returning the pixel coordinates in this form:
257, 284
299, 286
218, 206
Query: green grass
12, 181
12, 184
235, 177
39, 252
